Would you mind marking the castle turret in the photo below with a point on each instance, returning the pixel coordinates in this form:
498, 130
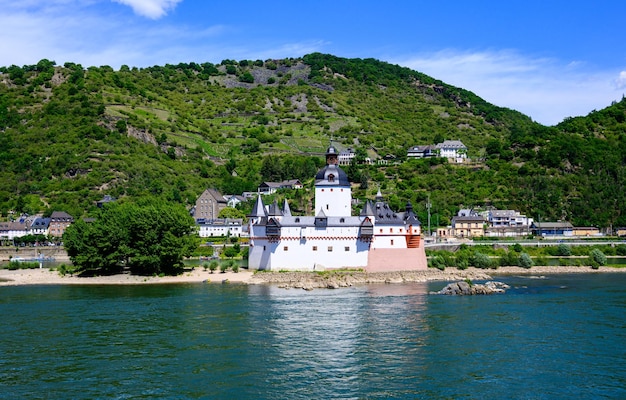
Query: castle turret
333, 194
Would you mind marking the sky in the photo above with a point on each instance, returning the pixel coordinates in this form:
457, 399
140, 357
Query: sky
549, 59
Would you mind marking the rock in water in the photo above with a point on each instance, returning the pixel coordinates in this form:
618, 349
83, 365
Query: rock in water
463, 288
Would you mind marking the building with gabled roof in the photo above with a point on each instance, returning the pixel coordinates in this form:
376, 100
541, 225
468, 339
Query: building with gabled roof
59, 221
378, 239
209, 204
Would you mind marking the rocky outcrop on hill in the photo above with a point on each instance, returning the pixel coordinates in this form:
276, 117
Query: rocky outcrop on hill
464, 288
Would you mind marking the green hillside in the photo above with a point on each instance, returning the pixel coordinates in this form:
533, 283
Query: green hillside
70, 134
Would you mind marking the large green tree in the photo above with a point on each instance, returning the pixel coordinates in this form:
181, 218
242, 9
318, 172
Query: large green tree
149, 237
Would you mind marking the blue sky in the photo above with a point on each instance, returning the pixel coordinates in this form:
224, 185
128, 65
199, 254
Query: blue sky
547, 59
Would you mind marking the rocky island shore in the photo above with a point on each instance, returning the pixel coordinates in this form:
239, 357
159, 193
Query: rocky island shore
302, 280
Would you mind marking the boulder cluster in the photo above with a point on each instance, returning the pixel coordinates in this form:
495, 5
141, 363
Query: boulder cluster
464, 288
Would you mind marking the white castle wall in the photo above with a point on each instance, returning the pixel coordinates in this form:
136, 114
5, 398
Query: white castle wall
334, 201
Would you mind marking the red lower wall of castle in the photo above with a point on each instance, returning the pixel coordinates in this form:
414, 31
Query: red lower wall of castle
381, 260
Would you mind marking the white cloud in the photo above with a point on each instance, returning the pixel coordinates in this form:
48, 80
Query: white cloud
620, 82
153, 9
545, 89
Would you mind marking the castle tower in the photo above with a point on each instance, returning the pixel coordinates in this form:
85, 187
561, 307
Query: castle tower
333, 195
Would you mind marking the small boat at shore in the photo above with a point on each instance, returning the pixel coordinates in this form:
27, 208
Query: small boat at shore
32, 259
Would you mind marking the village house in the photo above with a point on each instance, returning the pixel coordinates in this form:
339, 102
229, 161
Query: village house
59, 221
468, 226
209, 205
39, 226
507, 223
13, 229
266, 188
586, 231
546, 229
233, 227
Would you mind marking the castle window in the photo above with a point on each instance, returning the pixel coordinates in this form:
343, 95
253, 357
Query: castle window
297, 219
314, 248
381, 230
327, 206
285, 248
392, 242
342, 220
263, 246
331, 189
390, 229
331, 178
347, 248
330, 248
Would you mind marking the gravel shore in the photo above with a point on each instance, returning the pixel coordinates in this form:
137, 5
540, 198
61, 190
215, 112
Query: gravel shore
304, 280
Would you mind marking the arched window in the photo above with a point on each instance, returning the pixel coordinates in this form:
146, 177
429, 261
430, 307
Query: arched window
331, 178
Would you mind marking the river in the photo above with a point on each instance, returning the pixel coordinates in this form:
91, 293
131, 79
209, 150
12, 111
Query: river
561, 336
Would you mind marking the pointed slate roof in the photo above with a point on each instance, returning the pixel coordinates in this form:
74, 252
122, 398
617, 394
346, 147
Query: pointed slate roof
286, 209
409, 215
368, 209
259, 208
274, 210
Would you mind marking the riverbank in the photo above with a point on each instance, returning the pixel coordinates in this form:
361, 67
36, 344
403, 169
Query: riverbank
43, 276
304, 280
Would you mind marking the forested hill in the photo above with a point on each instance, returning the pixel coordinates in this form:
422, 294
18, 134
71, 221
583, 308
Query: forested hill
71, 134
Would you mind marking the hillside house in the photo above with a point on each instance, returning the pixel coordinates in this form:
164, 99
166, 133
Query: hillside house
424, 151
346, 156
105, 200
271, 187
453, 150
234, 199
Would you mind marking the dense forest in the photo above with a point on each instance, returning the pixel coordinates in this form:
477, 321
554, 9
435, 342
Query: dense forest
71, 134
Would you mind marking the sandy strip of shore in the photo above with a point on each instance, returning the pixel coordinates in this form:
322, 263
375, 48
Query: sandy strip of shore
292, 279
47, 277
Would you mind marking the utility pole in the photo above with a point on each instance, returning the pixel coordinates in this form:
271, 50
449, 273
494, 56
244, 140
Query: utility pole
428, 206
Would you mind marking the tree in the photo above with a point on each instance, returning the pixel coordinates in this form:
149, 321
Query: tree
246, 77
150, 237
596, 258
230, 252
230, 212
525, 261
563, 250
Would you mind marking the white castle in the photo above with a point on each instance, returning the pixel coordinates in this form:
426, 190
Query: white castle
378, 239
